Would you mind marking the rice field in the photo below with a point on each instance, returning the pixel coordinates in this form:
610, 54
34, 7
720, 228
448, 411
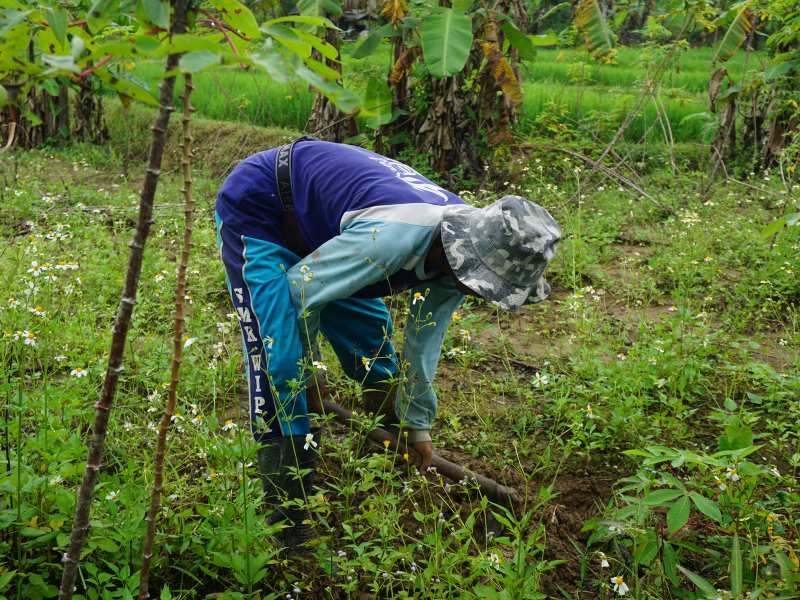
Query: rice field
565, 85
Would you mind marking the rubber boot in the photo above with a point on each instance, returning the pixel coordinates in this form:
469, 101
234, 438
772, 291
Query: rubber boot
278, 461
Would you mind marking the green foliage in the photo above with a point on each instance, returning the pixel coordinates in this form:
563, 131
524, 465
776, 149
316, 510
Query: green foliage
39, 43
772, 95
446, 38
731, 496
789, 220
521, 43
736, 33
590, 21
660, 330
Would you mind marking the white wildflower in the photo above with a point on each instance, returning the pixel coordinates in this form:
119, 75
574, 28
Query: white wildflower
619, 585
309, 441
38, 311
26, 336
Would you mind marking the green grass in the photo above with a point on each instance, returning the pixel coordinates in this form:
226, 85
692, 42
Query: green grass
232, 94
672, 325
690, 74
564, 84
601, 110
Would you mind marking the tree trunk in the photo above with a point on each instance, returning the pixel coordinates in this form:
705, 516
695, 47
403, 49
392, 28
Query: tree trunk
326, 121
89, 123
62, 119
463, 120
446, 129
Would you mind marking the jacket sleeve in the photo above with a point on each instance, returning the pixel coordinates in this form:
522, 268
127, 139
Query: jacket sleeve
365, 252
431, 308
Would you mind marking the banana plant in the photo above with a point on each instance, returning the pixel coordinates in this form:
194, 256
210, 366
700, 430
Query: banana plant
741, 26
592, 25
464, 59
770, 95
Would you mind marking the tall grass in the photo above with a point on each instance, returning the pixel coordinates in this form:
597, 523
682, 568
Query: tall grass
603, 109
691, 71
230, 93
560, 82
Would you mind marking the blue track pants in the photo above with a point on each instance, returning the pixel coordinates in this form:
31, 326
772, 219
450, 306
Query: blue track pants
276, 370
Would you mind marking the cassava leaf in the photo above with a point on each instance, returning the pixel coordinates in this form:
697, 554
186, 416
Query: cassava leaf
287, 37
369, 44
125, 87
316, 21
678, 514
101, 13
187, 42
157, 12
322, 69
192, 62
324, 48
238, 16
706, 506
377, 105
57, 19
320, 8
10, 18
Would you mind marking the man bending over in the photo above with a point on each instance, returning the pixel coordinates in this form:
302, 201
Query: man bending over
312, 235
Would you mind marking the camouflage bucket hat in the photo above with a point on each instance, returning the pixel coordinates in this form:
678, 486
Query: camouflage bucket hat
501, 251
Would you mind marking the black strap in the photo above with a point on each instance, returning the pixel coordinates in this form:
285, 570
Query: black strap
283, 176
283, 172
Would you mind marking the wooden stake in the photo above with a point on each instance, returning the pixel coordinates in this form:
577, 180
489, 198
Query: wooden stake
177, 351
80, 527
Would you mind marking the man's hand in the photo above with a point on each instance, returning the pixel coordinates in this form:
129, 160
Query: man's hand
425, 451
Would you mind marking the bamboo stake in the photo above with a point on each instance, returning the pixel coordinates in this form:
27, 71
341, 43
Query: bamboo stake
80, 527
177, 352
492, 489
